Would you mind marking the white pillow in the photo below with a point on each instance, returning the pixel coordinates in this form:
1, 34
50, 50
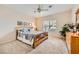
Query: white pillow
28, 29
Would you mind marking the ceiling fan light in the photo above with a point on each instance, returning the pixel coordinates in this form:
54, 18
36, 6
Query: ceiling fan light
39, 9
50, 6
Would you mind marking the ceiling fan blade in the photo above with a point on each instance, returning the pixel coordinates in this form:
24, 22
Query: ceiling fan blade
50, 6
39, 9
35, 11
44, 9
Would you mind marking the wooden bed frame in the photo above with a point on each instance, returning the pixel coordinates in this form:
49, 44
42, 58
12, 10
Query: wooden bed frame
39, 39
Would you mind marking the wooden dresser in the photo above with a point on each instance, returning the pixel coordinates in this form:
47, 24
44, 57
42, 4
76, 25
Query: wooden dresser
72, 40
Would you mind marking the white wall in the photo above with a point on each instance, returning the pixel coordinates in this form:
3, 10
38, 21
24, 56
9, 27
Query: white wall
8, 19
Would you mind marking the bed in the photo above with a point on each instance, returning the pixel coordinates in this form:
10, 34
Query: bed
31, 37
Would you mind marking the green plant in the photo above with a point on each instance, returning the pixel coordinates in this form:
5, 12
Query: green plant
68, 28
71, 26
77, 27
65, 29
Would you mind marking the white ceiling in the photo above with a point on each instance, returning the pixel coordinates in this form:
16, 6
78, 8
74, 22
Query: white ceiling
28, 9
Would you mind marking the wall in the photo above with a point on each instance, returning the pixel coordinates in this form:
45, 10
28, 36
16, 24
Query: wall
38, 23
8, 19
61, 18
11, 36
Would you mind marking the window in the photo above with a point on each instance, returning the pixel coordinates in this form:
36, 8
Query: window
49, 25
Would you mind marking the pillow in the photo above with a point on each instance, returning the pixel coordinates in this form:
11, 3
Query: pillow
28, 29
42, 35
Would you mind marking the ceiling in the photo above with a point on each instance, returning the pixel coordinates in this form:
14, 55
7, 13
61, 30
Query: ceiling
28, 9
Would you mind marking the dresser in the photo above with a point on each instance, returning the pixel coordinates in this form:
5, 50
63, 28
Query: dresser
72, 40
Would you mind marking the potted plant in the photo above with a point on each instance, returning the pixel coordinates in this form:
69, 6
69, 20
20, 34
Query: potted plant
65, 29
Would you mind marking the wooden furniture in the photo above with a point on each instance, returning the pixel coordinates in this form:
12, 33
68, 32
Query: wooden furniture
75, 45
36, 40
39, 39
35, 37
72, 40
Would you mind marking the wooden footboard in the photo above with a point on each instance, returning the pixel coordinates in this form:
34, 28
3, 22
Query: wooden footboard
39, 39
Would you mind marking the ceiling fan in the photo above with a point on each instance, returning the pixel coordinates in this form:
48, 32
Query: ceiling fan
40, 9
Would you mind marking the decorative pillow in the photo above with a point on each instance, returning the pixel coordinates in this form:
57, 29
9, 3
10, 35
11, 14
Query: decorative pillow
42, 35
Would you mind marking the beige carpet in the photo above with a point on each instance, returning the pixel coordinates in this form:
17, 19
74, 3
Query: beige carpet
52, 45
15, 47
